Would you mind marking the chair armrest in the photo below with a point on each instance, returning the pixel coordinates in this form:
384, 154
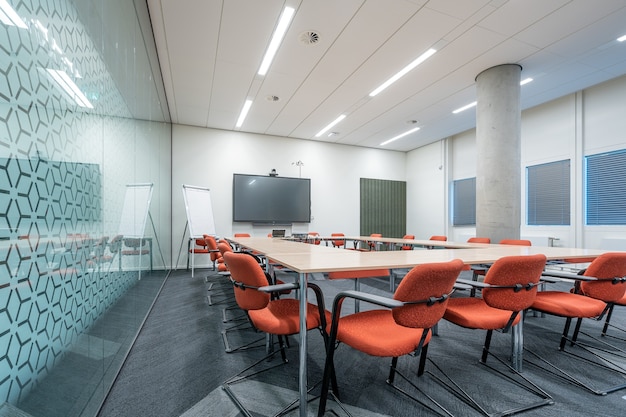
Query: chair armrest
370, 298
278, 287
470, 283
570, 276
462, 286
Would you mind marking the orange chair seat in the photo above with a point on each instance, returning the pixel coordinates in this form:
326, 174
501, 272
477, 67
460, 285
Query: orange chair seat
366, 273
474, 313
376, 333
566, 304
282, 317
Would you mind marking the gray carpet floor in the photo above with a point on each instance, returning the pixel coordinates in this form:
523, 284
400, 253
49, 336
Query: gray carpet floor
178, 365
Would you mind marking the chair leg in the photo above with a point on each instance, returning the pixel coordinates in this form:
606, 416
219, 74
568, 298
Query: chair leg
592, 356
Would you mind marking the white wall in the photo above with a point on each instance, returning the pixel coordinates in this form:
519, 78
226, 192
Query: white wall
584, 123
209, 157
426, 191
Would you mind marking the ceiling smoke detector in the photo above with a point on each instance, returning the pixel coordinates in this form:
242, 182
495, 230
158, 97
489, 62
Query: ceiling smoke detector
272, 98
309, 37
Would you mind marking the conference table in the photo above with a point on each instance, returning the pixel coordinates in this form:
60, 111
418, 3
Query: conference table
304, 259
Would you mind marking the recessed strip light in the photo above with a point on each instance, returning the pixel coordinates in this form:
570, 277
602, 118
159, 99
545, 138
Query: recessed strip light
277, 38
408, 132
404, 71
525, 81
244, 112
9, 17
467, 106
330, 126
67, 85
621, 38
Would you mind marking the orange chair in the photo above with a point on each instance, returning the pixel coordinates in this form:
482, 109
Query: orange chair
407, 247
339, 242
478, 240
599, 287
273, 316
403, 327
517, 242
373, 245
313, 237
438, 238
509, 288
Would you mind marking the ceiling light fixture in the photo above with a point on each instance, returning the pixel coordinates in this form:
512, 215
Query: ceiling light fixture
408, 132
277, 38
330, 126
9, 17
244, 112
404, 71
467, 106
621, 38
68, 86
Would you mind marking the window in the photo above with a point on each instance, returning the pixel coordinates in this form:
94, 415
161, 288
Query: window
548, 193
464, 202
606, 188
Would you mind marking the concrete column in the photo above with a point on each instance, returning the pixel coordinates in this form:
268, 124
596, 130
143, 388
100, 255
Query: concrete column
498, 171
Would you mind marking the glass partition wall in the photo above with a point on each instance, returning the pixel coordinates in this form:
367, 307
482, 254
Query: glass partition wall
85, 196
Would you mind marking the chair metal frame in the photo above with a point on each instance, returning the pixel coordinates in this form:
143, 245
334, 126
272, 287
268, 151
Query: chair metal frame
591, 351
422, 347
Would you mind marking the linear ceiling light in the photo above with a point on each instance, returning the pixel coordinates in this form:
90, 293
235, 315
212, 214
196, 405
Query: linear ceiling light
408, 132
404, 71
9, 17
525, 81
68, 86
330, 126
467, 106
621, 38
244, 112
277, 38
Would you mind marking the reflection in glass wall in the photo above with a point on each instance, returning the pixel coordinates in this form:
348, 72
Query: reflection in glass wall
84, 197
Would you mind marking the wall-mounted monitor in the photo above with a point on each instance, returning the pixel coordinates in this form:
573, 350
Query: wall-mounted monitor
272, 200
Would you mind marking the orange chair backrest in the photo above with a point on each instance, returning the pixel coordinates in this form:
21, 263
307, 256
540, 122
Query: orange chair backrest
201, 242
365, 273
338, 242
438, 237
513, 270
421, 283
408, 247
242, 234
224, 247
518, 242
246, 270
315, 235
606, 267
211, 244
478, 240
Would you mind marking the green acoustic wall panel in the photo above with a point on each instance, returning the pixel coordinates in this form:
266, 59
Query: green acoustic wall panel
383, 207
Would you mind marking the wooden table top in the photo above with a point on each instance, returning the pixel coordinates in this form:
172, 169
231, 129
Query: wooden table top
308, 258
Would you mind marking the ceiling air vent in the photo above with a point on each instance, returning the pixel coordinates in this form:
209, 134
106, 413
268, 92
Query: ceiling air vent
309, 37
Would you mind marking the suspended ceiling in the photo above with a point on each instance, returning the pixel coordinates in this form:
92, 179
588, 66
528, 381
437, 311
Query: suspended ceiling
210, 50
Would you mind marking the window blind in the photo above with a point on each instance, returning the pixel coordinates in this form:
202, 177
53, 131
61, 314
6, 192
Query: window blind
464, 202
606, 188
548, 193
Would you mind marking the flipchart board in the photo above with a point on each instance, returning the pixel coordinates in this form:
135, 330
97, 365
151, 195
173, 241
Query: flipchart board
199, 211
135, 210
